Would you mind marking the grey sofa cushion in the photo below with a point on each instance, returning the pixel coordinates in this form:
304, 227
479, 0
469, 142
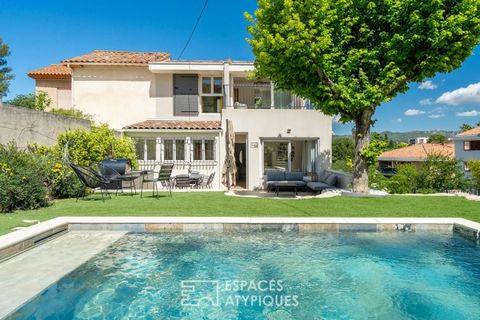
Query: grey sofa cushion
294, 176
317, 186
275, 175
298, 183
331, 180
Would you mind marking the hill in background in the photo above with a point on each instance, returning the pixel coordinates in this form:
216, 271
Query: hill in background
405, 136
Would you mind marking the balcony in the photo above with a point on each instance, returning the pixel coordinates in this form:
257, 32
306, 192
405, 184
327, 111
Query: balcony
249, 94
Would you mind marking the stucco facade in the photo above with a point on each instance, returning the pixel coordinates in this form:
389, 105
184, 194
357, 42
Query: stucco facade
273, 129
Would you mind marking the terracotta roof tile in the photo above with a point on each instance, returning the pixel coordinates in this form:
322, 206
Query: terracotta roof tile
119, 57
54, 71
471, 132
418, 152
176, 125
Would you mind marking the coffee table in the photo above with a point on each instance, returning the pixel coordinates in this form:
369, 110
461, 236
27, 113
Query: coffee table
285, 185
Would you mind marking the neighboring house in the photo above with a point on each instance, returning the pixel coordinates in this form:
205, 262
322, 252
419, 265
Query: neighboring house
415, 154
177, 110
56, 81
467, 147
418, 140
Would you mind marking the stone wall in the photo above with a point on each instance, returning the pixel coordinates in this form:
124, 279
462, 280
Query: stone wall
26, 126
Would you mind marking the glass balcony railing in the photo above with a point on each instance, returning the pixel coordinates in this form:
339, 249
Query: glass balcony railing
260, 95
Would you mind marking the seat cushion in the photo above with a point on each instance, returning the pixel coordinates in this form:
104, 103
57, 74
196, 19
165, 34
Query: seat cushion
294, 176
298, 183
317, 186
331, 180
275, 175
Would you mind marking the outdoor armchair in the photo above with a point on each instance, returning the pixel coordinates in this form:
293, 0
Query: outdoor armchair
163, 176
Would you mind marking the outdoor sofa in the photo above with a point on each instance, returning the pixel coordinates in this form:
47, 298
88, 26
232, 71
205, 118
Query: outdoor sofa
326, 180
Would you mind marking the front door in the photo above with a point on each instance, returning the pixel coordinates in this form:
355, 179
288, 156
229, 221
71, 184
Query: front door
241, 162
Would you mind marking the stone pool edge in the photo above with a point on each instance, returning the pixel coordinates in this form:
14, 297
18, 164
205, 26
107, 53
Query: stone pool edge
16, 242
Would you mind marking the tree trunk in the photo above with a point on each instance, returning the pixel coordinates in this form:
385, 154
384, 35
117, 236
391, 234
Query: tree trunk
361, 136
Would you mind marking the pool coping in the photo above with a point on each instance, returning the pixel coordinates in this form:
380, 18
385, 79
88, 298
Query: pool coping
18, 241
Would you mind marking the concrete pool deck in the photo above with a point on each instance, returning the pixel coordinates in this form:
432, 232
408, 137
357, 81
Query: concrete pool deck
37, 256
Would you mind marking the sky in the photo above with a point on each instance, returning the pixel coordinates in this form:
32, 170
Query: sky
40, 33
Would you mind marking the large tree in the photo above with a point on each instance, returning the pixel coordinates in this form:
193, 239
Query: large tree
349, 56
5, 72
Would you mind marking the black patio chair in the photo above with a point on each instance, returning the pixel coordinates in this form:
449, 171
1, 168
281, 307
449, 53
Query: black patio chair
206, 181
182, 181
164, 177
92, 179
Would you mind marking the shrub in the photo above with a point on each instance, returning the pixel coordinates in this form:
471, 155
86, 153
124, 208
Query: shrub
22, 179
39, 101
376, 180
86, 147
405, 180
74, 113
474, 166
440, 173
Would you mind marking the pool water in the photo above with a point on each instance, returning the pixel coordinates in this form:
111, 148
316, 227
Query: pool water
270, 275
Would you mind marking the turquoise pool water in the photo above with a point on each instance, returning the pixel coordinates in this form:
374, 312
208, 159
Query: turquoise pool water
271, 275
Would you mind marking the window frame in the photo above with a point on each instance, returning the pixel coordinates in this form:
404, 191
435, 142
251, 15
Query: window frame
203, 149
174, 148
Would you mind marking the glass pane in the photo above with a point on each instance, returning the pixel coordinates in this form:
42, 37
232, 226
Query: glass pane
140, 149
151, 149
282, 99
180, 149
206, 85
209, 155
263, 96
217, 85
211, 104
197, 149
168, 150
466, 145
275, 156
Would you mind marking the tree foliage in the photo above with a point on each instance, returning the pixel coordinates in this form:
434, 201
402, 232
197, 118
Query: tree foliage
5, 72
39, 101
437, 138
342, 149
465, 127
474, 166
349, 56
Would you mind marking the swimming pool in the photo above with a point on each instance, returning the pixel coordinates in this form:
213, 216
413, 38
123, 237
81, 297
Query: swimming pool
270, 275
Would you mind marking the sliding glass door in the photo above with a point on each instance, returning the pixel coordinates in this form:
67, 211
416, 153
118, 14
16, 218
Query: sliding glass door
289, 155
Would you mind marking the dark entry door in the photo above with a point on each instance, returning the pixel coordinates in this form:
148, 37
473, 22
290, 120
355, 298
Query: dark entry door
241, 161
185, 94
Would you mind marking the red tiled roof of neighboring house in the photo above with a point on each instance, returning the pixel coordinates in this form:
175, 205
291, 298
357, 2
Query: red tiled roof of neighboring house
471, 132
418, 152
52, 72
176, 125
119, 57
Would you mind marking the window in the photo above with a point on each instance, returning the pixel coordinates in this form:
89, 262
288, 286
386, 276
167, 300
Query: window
179, 149
168, 150
151, 149
209, 150
217, 85
140, 149
211, 104
206, 85
275, 156
212, 94
471, 145
197, 150
204, 149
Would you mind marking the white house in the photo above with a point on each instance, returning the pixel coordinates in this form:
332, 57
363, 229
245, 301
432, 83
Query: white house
467, 147
177, 111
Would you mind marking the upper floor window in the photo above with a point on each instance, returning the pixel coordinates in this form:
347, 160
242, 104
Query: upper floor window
471, 145
212, 94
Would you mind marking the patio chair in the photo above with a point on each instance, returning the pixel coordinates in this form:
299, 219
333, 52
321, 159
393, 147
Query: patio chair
206, 181
163, 176
182, 181
92, 179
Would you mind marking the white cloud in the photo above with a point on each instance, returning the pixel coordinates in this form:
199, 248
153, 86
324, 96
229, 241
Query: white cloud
398, 120
427, 85
426, 102
414, 112
473, 113
436, 116
468, 95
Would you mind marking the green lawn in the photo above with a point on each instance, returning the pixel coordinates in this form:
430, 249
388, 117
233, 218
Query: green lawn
217, 204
